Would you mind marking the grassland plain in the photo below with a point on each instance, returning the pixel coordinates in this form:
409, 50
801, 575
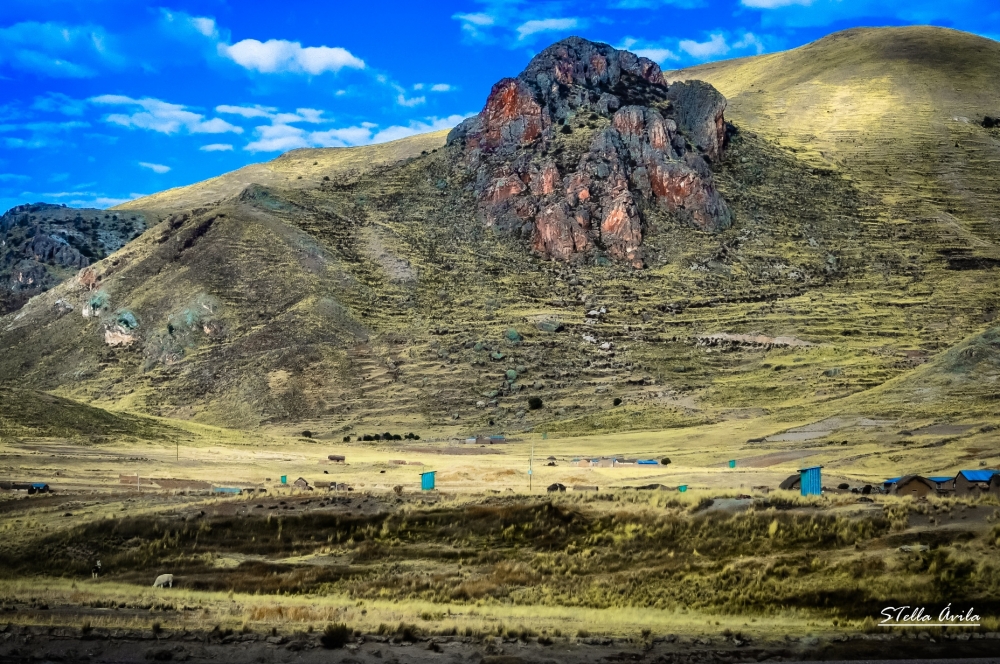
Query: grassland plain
847, 319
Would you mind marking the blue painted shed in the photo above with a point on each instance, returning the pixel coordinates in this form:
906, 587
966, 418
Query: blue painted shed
427, 480
811, 481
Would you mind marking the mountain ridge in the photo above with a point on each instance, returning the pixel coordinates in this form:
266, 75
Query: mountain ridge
381, 299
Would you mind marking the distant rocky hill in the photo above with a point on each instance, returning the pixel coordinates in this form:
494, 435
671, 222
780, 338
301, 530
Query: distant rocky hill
42, 244
576, 196
565, 265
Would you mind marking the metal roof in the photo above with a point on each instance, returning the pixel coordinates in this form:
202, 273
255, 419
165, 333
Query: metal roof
977, 475
941, 479
892, 480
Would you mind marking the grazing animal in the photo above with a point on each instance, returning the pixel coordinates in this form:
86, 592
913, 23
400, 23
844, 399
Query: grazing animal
96, 570
164, 580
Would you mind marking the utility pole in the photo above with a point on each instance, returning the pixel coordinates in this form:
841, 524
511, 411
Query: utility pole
531, 461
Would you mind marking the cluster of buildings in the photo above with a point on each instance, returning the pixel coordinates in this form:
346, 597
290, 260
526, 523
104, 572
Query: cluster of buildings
612, 462
965, 483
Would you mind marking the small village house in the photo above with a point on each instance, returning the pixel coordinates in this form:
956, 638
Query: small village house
973, 482
915, 486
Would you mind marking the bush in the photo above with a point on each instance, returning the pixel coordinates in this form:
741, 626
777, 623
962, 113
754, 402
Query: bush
335, 636
617, 401
665, 461
843, 486
347, 439
534, 403
307, 434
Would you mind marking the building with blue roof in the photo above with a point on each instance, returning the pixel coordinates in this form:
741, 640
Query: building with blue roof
974, 482
945, 484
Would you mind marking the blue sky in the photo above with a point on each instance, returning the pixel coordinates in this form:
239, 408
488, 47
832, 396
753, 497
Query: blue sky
105, 100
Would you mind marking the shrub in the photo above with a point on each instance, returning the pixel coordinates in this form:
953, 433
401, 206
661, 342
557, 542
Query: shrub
335, 636
534, 403
307, 434
347, 439
617, 401
665, 461
843, 486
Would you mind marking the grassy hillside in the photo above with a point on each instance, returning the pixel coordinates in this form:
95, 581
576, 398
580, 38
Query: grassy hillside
899, 110
295, 169
36, 414
377, 300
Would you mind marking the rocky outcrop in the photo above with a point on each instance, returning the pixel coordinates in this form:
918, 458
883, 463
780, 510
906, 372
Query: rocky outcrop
566, 152
41, 243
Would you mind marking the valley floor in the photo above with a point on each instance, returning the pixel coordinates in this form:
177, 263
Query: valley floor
482, 566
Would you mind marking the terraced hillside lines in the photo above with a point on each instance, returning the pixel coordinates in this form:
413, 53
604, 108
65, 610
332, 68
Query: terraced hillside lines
296, 169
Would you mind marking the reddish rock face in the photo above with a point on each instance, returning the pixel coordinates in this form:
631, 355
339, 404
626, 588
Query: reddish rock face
570, 211
511, 116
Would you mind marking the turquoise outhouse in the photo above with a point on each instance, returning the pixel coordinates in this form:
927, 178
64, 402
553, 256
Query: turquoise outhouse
682, 488
732, 463
811, 481
427, 480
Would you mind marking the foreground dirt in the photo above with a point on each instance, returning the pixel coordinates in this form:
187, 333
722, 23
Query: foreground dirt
31, 644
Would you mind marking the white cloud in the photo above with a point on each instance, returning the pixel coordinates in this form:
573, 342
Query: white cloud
536, 26
247, 111
410, 102
481, 20
156, 168
441, 87
279, 56
205, 26
774, 4
310, 115
750, 41
418, 86
278, 138
715, 46
163, 117
416, 127
281, 137
657, 55
216, 147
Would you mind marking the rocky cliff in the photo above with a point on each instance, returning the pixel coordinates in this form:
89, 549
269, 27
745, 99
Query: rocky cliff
42, 244
570, 151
